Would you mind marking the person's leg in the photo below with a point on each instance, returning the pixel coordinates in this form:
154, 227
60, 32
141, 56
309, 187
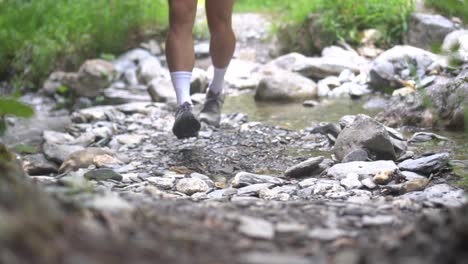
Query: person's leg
223, 40
179, 46
222, 45
181, 59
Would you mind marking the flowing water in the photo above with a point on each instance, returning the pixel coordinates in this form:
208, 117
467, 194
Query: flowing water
296, 116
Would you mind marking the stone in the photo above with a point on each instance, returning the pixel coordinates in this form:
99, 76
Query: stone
353, 90
427, 30
83, 158
426, 165
376, 103
409, 175
204, 178
284, 86
279, 193
130, 139
365, 133
57, 153
387, 70
290, 227
421, 137
310, 103
117, 96
363, 168
377, 220
55, 137
347, 120
242, 179
384, 177
103, 175
56, 80
152, 46
308, 182
369, 183
190, 186
93, 77
109, 203
356, 155
165, 183
199, 82
327, 84
325, 128
310, 167
319, 68
253, 190
161, 91
241, 74
37, 164
272, 258
287, 62
351, 181
456, 45
132, 57
149, 69
202, 49
256, 228
326, 234
97, 113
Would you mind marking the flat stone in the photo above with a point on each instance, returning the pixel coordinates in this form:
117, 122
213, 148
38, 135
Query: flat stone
253, 190
165, 183
306, 168
190, 186
351, 181
256, 228
103, 175
245, 178
363, 168
426, 165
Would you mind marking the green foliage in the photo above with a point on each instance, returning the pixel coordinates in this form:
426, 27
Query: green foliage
344, 18
9, 106
25, 149
36, 36
458, 8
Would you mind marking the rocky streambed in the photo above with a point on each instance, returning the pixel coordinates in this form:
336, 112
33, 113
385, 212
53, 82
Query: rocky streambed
276, 183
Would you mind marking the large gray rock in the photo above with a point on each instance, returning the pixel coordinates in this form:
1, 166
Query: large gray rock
456, 45
427, 30
362, 168
426, 165
368, 134
244, 179
443, 101
161, 91
310, 167
393, 66
93, 77
37, 164
285, 86
58, 153
319, 68
150, 68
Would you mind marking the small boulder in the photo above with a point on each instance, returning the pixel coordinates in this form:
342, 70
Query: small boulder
284, 86
427, 30
362, 168
190, 186
93, 77
426, 165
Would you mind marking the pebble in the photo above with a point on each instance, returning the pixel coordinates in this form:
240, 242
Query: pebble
351, 181
190, 186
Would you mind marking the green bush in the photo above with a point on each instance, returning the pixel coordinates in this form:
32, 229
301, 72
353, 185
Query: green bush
39, 35
343, 18
457, 8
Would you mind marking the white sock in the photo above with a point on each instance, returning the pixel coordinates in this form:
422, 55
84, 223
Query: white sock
181, 82
217, 83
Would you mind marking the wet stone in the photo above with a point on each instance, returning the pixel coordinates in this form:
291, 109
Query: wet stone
103, 175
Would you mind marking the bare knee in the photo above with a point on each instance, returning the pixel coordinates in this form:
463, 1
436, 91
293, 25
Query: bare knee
220, 24
182, 15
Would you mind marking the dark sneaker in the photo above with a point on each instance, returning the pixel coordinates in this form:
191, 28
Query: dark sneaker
186, 124
211, 112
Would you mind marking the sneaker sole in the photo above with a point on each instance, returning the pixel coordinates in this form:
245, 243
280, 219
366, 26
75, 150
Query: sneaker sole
187, 126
